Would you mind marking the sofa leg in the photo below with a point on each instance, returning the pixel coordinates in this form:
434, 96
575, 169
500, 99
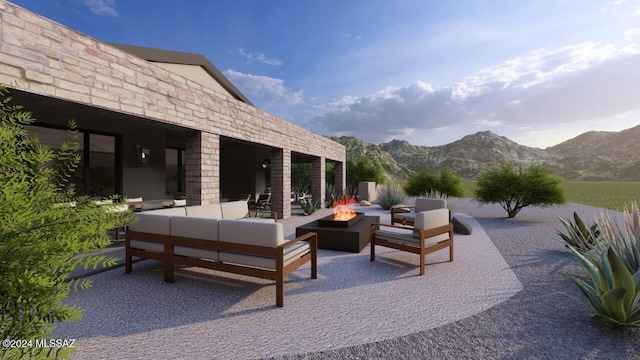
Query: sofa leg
280, 292
169, 275
422, 263
127, 264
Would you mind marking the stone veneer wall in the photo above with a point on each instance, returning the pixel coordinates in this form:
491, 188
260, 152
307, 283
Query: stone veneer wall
62, 63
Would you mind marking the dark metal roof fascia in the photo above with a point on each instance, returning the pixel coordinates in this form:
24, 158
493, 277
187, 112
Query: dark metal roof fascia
177, 57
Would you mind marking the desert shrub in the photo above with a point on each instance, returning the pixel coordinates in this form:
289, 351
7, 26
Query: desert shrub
579, 235
329, 194
614, 296
515, 189
44, 227
425, 182
389, 195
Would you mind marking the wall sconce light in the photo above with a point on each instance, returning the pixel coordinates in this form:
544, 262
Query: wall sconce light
265, 163
142, 154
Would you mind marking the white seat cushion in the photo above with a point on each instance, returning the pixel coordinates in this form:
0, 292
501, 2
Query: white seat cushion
195, 227
291, 254
206, 211
408, 238
234, 209
153, 224
423, 204
260, 233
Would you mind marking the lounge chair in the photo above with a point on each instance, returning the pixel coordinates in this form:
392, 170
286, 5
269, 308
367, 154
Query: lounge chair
405, 214
432, 231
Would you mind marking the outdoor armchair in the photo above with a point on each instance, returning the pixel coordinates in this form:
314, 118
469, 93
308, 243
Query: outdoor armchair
406, 214
432, 231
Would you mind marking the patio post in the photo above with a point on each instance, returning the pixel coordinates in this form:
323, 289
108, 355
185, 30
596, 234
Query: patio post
318, 180
202, 164
281, 182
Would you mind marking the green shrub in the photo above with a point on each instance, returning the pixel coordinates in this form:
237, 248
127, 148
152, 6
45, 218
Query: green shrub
516, 189
363, 170
615, 295
389, 195
578, 235
425, 182
44, 228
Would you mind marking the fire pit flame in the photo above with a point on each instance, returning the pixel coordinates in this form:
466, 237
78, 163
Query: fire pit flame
344, 208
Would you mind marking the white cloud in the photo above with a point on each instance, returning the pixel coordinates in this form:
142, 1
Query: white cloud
261, 58
271, 90
569, 85
102, 7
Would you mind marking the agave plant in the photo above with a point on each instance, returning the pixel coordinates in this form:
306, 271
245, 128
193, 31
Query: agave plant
615, 295
579, 235
622, 234
308, 206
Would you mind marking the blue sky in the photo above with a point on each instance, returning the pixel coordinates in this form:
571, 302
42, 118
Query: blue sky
429, 72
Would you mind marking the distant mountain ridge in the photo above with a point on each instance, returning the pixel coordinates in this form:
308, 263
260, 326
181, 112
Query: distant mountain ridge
595, 155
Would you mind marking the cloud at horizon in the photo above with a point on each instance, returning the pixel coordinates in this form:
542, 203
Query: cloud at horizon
579, 83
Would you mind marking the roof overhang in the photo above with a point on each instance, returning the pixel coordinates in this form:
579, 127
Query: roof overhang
177, 57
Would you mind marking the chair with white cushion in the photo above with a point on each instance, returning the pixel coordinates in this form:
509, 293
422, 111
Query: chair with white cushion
406, 214
432, 231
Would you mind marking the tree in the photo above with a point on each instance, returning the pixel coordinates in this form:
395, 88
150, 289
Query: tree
301, 178
363, 170
425, 182
514, 190
43, 227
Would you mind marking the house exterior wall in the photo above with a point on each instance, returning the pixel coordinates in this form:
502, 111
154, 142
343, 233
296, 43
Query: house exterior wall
62, 63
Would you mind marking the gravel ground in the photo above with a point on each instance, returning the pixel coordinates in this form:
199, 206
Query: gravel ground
539, 322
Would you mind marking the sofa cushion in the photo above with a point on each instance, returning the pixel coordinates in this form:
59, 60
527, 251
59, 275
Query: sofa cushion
152, 223
409, 239
235, 209
291, 254
206, 211
431, 219
195, 227
260, 233
424, 204
169, 211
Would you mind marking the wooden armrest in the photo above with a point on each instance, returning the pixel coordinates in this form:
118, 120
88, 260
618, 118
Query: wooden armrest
304, 237
436, 231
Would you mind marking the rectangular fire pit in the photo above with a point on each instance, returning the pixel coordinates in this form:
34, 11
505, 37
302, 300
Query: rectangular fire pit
352, 239
330, 222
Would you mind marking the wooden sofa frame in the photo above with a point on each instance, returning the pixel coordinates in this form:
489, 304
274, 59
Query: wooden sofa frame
421, 249
170, 259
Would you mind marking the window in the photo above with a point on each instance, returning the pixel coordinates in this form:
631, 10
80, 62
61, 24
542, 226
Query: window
175, 171
97, 174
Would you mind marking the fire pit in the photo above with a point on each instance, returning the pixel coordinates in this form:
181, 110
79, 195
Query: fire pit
345, 230
330, 221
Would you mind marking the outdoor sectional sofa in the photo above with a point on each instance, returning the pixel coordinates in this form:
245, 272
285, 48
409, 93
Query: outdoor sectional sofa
219, 237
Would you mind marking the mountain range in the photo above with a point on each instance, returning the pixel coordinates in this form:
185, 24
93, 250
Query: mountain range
594, 155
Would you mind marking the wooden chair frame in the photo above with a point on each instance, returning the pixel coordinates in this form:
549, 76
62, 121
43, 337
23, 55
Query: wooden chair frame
418, 249
170, 259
